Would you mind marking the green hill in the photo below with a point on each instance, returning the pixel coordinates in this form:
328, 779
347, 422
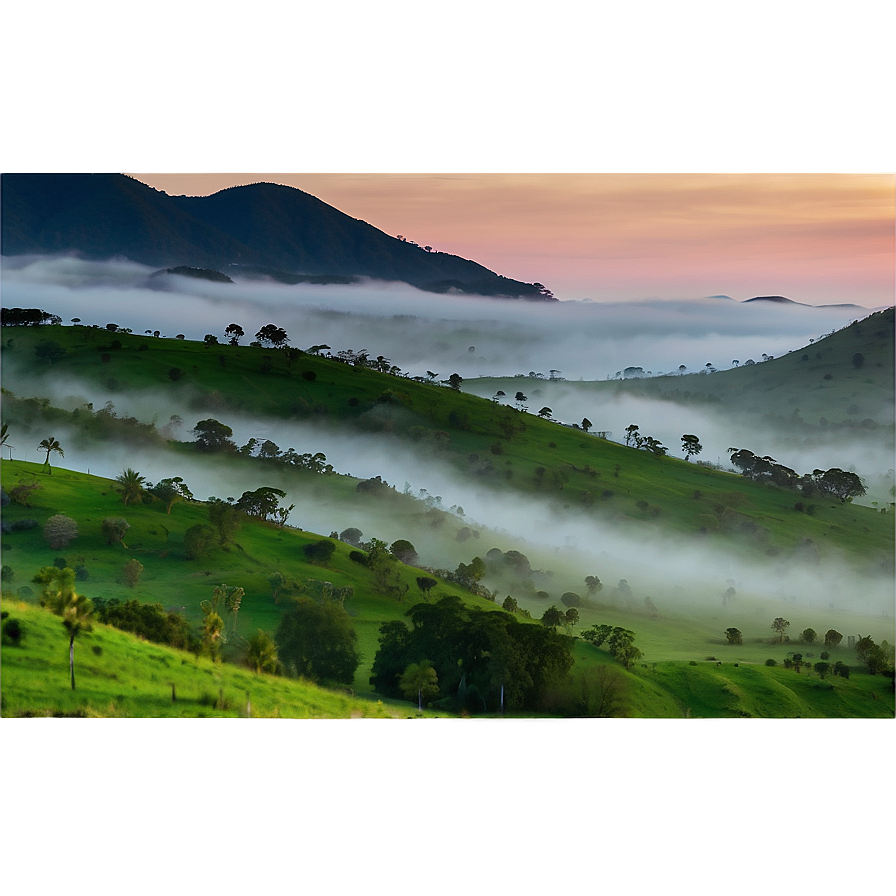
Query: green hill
498, 447
688, 668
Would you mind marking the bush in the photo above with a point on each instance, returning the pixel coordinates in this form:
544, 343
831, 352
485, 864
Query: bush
309, 375
197, 540
12, 632
175, 373
7, 574
60, 531
131, 572
358, 557
22, 525
60, 562
319, 551
771, 662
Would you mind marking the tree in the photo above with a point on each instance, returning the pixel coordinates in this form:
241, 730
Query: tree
197, 540
131, 572
420, 679
405, 552
426, 584
690, 445
231, 598
210, 339
130, 485
234, 332
261, 653
780, 626
570, 599
586, 424
593, 585
261, 503
272, 335
318, 642
170, 491
212, 435
552, 617
841, 484
225, 517
510, 604
832, 638
632, 436
545, 413
60, 530
58, 594
734, 636
571, 617
351, 536
50, 445
455, 381
114, 529
808, 636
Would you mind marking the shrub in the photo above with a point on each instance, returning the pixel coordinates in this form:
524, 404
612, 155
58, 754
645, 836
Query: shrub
60, 562
131, 572
197, 540
81, 573
175, 373
12, 632
358, 557
319, 551
309, 375
60, 531
771, 662
7, 574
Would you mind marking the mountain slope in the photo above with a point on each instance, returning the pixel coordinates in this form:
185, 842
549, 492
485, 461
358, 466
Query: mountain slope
263, 225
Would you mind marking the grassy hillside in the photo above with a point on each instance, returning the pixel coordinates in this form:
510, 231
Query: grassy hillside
845, 380
120, 675
678, 676
500, 447
155, 539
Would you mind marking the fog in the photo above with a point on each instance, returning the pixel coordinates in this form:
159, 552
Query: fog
868, 453
421, 331
682, 573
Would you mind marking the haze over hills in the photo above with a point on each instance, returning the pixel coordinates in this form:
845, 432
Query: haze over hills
265, 229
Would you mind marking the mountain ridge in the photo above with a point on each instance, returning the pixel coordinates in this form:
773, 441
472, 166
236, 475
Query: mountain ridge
262, 225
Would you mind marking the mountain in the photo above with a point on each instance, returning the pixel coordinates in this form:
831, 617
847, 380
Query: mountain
265, 229
778, 300
782, 300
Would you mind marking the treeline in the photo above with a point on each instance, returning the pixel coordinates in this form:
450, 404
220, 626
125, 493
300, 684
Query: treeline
835, 483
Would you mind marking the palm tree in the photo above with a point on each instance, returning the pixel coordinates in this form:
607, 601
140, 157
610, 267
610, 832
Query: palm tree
50, 445
131, 485
58, 594
76, 618
261, 654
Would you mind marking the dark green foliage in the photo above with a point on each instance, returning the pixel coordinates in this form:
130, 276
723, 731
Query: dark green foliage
771, 662
319, 551
131, 572
7, 574
552, 617
832, 638
318, 642
49, 351
734, 636
27, 317
197, 541
571, 599
474, 653
808, 636
351, 536
175, 373
426, 584
358, 557
12, 632
404, 551
225, 517
212, 435
149, 621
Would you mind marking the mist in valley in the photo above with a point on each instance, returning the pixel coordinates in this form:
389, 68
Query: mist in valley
421, 332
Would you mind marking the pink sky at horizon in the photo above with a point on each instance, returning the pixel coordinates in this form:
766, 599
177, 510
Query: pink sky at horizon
815, 238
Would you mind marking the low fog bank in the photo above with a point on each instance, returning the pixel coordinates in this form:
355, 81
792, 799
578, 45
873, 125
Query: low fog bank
421, 331
867, 453
680, 573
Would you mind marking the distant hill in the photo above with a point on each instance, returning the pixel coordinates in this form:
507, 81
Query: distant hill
783, 300
259, 227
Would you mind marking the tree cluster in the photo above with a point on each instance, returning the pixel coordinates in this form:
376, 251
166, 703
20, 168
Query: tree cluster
834, 483
477, 656
620, 642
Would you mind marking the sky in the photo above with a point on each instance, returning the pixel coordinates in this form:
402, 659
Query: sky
647, 89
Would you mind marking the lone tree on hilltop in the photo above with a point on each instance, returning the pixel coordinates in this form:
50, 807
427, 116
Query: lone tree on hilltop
234, 332
50, 445
690, 445
272, 335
